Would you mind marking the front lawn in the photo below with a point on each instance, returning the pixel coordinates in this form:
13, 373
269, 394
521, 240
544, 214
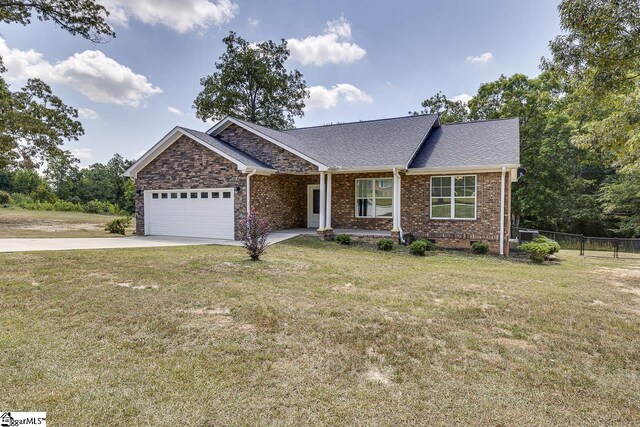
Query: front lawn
17, 223
318, 334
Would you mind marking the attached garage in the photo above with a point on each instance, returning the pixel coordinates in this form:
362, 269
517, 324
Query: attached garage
206, 213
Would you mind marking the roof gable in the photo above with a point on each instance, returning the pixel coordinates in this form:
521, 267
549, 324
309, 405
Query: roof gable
471, 144
242, 160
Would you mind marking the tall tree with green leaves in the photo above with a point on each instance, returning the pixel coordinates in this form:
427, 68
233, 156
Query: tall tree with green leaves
450, 111
34, 123
252, 83
598, 60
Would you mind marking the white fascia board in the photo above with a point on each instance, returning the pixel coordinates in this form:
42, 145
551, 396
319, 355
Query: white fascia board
224, 123
362, 169
459, 169
165, 142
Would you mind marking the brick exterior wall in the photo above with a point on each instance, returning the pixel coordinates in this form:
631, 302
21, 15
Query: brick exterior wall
265, 151
282, 199
456, 233
343, 203
187, 164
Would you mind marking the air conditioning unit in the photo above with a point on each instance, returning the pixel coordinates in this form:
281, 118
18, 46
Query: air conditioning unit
528, 235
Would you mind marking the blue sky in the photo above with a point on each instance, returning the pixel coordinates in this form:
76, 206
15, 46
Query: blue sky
362, 60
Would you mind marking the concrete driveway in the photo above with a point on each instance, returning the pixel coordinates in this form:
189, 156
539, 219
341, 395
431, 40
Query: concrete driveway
27, 245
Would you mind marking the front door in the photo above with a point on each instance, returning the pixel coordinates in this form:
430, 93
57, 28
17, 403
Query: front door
313, 206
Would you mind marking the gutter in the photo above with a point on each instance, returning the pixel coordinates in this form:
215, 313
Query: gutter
249, 190
399, 204
502, 191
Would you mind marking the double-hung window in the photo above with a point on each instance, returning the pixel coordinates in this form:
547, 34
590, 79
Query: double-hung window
453, 197
374, 198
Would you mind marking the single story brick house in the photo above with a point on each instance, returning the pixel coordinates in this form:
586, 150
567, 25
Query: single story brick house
407, 176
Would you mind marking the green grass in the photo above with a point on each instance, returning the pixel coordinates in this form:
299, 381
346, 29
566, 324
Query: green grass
318, 334
18, 223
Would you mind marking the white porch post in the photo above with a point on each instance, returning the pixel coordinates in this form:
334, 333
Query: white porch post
395, 201
322, 203
328, 213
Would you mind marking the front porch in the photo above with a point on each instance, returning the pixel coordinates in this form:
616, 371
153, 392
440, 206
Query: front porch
350, 231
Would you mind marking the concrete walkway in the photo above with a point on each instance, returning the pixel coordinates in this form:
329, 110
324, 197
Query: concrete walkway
27, 245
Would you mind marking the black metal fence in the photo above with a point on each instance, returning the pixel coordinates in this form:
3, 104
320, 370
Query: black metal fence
590, 246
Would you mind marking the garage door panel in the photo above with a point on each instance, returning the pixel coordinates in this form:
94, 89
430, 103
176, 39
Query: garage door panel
208, 217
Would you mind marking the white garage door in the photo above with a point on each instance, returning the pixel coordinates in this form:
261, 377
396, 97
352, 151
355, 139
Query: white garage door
190, 213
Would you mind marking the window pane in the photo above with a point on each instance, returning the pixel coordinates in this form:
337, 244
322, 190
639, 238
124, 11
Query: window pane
315, 201
364, 188
204, 195
164, 195
183, 195
155, 195
465, 186
384, 188
384, 207
194, 195
441, 207
226, 195
215, 195
365, 207
465, 207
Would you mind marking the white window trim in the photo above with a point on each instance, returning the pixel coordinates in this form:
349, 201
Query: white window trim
453, 201
374, 197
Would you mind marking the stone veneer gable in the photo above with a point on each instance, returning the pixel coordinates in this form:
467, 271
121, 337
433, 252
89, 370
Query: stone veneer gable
265, 151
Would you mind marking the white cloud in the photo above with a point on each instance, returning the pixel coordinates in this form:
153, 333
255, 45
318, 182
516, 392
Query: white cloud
482, 59
322, 98
92, 73
179, 15
254, 22
330, 47
464, 97
174, 110
82, 153
87, 113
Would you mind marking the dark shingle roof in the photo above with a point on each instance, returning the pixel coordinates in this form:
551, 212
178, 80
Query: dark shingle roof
222, 146
375, 143
484, 143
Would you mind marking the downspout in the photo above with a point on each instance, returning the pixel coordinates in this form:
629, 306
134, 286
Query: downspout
502, 185
249, 191
398, 204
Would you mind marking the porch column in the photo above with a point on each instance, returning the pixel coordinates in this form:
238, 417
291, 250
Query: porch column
323, 199
395, 201
328, 219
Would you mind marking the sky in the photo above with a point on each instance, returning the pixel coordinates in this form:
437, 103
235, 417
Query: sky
361, 60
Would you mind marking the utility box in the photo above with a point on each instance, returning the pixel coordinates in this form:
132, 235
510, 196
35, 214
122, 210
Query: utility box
528, 235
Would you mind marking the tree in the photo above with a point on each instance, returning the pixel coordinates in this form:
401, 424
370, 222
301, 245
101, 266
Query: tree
63, 174
449, 111
33, 124
33, 121
252, 83
598, 60
620, 197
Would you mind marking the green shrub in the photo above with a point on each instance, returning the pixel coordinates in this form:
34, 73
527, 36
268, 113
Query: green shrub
343, 239
118, 225
419, 247
480, 247
5, 198
65, 206
554, 246
385, 244
20, 199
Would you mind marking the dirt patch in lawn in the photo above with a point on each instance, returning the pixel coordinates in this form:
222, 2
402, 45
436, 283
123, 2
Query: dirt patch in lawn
52, 227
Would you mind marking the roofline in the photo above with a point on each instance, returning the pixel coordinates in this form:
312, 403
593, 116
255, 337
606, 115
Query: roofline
172, 137
457, 169
422, 141
360, 121
470, 122
227, 121
384, 168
